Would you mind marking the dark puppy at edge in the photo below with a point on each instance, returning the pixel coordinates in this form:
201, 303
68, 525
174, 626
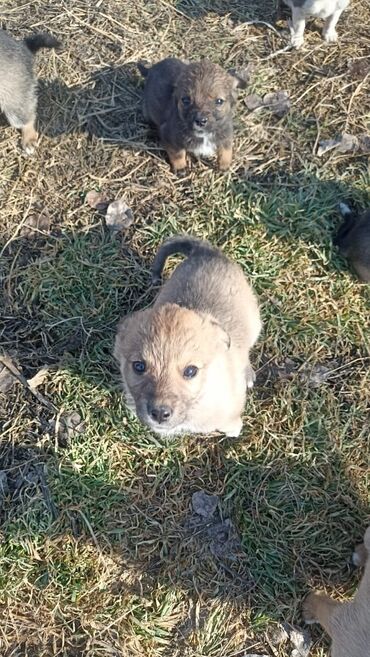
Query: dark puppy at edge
191, 106
18, 87
353, 240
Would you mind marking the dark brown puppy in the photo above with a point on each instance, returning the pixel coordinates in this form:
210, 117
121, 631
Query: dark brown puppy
191, 106
353, 240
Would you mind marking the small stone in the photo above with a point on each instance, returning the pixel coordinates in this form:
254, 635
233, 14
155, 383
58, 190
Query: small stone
97, 200
278, 102
253, 102
203, 504
119, 216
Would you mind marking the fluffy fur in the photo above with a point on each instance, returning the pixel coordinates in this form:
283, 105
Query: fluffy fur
204, 320
348, 624
353, 240
330, 10
18, 97
191, 106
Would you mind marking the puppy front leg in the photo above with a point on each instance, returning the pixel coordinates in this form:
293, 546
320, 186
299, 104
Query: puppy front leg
329, 32
318, 608
224, 157
297, 27
177, 160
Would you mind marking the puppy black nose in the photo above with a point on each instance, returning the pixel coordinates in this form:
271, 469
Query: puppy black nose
160, 414
200, 120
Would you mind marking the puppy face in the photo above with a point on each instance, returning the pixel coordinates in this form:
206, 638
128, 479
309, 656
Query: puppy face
167, 358
204, 95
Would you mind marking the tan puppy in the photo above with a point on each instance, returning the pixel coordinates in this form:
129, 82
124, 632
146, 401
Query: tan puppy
348, 624
191, 106
185, 361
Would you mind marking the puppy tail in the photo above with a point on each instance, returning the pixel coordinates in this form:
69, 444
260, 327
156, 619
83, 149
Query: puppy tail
184, 244
42, 40
367, 540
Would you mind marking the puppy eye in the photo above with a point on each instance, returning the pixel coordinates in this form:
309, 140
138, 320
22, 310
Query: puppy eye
219, 101
190, 372
139, 366
186, 100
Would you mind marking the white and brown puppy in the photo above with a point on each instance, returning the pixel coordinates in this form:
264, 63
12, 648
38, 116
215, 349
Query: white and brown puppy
18, 95
348, 623
329, 10
191, 106
185, 361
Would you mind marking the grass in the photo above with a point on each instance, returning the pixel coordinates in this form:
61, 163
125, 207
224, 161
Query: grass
95, 558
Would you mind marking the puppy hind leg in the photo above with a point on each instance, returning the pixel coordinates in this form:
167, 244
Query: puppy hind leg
318, 608
24, 120
329, 32
297, 27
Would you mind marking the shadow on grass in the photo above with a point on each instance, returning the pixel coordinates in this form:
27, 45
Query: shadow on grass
123, 502
265, 10
107, 106
298, 516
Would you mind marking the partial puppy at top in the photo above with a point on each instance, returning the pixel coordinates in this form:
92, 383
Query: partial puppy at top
18, 87
191, 106
330, 10
185, 361
353, 240
348, 623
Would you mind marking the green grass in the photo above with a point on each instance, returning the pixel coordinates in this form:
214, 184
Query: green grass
114, 571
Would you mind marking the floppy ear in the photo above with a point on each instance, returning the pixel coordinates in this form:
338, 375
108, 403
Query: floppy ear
221, 335
238, 80
127, 327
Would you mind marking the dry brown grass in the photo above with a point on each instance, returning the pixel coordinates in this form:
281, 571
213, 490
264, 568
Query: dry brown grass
95, 558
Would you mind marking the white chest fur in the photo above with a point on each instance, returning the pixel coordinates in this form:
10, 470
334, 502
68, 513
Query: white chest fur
206, 147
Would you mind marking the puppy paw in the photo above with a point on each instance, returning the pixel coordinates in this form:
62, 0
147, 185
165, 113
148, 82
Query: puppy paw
309, 609
223, 166
234, 430
330, 36
359, 556
297, 41
29, 148
250, 377
180, 173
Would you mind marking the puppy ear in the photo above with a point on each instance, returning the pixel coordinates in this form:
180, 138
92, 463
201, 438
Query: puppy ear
238, 80
222, 335
128, 329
